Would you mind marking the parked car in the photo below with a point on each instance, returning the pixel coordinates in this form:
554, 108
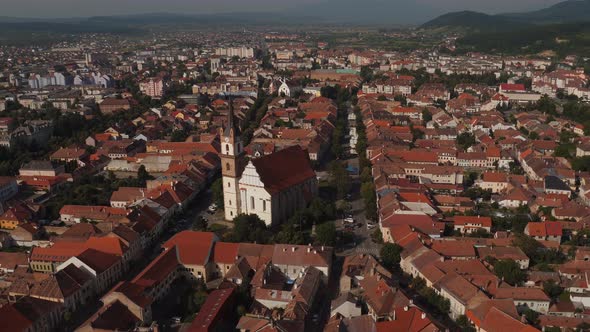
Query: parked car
212, 208
371, 226
349, 220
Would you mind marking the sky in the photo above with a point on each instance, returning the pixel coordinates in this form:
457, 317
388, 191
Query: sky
80, 8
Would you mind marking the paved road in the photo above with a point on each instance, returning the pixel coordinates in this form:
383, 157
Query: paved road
362, 235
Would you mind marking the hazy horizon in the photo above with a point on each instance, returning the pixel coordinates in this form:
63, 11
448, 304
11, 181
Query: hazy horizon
408, 11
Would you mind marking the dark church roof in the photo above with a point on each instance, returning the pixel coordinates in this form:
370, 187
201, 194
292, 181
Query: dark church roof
283, 169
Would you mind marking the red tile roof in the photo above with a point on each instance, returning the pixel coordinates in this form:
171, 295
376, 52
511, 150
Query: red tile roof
284, 169
212, 310
194, 248
549, 228
225, 252
477, 220
407, 319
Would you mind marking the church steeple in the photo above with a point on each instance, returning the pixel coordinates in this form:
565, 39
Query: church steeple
231, 123
232, 153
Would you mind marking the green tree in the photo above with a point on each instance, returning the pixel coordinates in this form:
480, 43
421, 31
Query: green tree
249, 228
217, 192
340, 178
552, 289
377, 236
531, 316
390, 255
509, 271
464, 324
326, 234
426, 115
143, 176
179, 135
465, 140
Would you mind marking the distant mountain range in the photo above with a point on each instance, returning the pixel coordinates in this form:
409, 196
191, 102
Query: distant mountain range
564, 12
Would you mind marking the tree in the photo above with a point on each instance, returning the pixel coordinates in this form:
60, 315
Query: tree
217, 192
377, 236
531, 316
390, 255
143, 176
249, 228
340, 178
465, 140
426, 115
366, 73
289, 235
509, 271
552, 289
200, 224
326, 234
197, 298
179, 136
464, 324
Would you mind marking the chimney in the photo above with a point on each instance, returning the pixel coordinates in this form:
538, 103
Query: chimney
423, 315
308, 250
293, 249
406, 308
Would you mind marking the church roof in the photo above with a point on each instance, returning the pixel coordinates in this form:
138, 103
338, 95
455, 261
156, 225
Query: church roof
283, 169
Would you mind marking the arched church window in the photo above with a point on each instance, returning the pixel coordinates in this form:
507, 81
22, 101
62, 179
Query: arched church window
227, 167
227, 148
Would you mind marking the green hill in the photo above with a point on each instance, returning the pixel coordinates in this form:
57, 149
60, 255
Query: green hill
473, 21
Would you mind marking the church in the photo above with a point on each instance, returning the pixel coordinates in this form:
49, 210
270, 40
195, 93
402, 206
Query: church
272, 187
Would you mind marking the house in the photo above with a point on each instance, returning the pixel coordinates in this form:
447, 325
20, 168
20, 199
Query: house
195, 250
14, 216
554, 185
503, 253
545, 231
346, 305
356, 267
10, 261
461, 294
497, 315
294, 259
408, 318
494, 181
525, 298
272, 187
382, 299
31, 314
81, 213
26, 234
470, 224
453, 250
215, 313
111, 105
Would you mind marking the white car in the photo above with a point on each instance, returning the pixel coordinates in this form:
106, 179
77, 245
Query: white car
349, 220
371, 226
212, 208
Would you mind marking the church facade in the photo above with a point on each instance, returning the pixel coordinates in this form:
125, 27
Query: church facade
272, 187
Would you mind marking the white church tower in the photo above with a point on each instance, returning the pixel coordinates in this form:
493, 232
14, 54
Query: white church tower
232, 157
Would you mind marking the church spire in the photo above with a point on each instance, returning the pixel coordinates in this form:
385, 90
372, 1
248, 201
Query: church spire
230, 122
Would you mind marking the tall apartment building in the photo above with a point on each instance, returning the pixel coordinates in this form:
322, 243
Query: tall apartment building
153, 87
242, 52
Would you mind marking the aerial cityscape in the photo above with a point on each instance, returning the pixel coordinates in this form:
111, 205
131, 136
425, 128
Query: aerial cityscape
264, 166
